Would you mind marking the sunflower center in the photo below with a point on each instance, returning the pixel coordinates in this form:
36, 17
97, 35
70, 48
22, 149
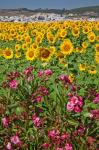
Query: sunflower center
8, 53
92, 37
28, 39
75, 31
38, 39
86, 30
67, 47
97, 48
31, 54
45, 54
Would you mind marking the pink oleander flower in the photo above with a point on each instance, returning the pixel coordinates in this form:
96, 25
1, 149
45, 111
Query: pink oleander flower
43, 90
70, 106
9, 146
48, 72
75, 103
15, 139
28, 70
52, 134
64, 136
94, 114
13, 84
80, 103
40, 73
81, 129
45, 145
64, 78
5, 121
57, 139
96, 100
68, 146
73, 88
90, 140
74, 100
80, 98
38, 99
36, 120
77, 109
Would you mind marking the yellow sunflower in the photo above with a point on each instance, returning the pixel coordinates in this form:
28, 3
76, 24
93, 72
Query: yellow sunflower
34, 46
85, 44
80, 50
17, 54
82, 67
30, 54
25, 46
97, 38
51, 38
86, 30
97, 58
17, 47
97, 48
45, 54
66, 47
38, 39
8, 53
63, 33
91, 37
28, 39
92, 70
76, 32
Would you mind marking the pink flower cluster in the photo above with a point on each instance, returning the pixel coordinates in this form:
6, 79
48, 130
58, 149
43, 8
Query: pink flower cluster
12, 75
28, 73
64, 78
75, 104
47, 73
43, 90
96, 100
94, 114
36, 120
13, 84
80, 130
28, 70
14, 140
68, 146
58, 139
5, 121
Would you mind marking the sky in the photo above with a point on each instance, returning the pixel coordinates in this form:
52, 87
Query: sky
34, 4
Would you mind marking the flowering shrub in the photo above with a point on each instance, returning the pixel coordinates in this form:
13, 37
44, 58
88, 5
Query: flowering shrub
44, 109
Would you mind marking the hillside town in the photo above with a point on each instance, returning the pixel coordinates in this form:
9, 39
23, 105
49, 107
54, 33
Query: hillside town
46, 17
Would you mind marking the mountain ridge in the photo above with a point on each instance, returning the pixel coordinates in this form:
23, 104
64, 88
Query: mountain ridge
26, 11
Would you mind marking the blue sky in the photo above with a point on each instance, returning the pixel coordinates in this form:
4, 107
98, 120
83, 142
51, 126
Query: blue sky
33, 4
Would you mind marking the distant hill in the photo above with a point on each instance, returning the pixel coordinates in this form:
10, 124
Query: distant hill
86, 9
28, 12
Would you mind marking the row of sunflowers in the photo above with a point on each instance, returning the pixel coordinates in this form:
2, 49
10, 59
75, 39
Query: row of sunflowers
49, 85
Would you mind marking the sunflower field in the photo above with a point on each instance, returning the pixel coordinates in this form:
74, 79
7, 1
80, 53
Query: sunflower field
49, 85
